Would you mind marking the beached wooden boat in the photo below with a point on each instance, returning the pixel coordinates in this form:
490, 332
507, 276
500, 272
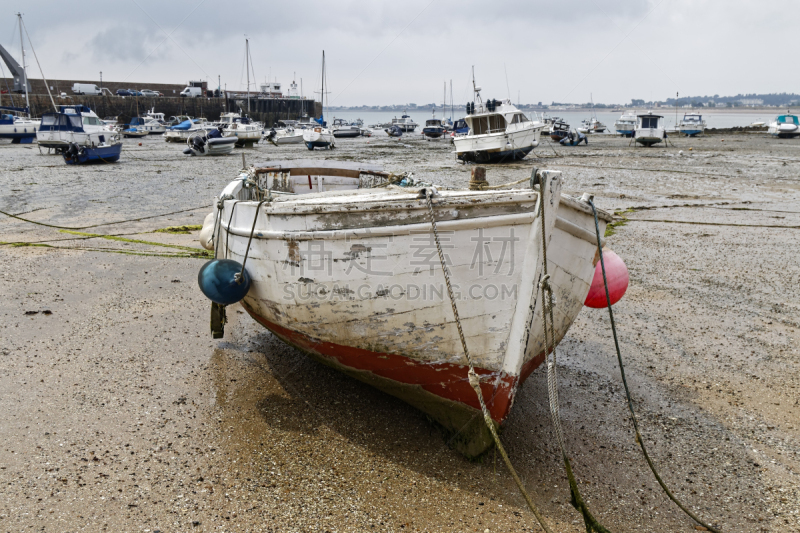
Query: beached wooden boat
350, 275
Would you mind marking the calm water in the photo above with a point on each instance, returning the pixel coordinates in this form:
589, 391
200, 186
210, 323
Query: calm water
574, 118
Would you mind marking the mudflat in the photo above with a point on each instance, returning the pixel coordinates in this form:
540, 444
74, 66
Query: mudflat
120, 413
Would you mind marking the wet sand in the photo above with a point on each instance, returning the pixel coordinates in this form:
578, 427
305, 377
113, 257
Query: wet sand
120, 413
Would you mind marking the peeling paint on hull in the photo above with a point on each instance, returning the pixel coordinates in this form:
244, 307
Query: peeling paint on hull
441, 390
342, 277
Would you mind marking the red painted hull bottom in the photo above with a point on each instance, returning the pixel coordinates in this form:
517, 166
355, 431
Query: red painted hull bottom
441, 390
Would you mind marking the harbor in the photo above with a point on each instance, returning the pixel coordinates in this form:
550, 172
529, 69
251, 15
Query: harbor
122, 413
560, 298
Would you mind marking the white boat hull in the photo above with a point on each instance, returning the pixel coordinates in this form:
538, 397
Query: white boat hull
318, 138
495, 147
354, 281
649, 136
786, 131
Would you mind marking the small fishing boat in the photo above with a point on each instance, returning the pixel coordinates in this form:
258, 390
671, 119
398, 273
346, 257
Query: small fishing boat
319, 137
344, 266
433, 127
18, 125
784, 126
404, 123
649, 129
345, 130
108, 152
626, 124
246, 131
394, 131
558, 129
210, 143
365, 131
135, 129
592, 126
692, 124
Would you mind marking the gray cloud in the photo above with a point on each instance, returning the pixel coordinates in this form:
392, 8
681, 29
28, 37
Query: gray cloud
551, 50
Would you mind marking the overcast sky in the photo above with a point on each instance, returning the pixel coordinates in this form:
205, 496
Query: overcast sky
396, 52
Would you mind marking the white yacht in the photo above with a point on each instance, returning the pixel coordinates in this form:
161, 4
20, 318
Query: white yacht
154, 123
692, 124
784, 126
649, 129
245, 130
73, 124
404, 123
498, 131
626, 124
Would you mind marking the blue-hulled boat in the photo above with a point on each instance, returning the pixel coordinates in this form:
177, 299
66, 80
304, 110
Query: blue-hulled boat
21, 130
73, 124
433, 128
80, 155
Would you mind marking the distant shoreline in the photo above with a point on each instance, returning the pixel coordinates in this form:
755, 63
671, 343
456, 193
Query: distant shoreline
662, 110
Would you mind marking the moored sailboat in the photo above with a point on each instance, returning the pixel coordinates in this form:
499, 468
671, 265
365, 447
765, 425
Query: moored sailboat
320, 136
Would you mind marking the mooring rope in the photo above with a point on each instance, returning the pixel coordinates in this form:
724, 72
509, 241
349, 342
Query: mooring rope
98, 225
474, 380
639, 438
591, 523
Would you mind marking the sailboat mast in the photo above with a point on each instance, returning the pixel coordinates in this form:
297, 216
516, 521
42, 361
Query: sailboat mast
247, 68
24, 68
451, 100
323, 88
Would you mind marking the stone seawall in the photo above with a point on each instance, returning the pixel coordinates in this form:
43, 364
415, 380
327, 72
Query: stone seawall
268, 111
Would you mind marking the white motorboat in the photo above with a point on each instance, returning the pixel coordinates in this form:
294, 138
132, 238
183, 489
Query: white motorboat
626, 124
154, 123
73, 124
692, 124
784, 126
287, 135
649, 129
349, 274
245, 130
404, 123
181, 132
498, 132
211, 142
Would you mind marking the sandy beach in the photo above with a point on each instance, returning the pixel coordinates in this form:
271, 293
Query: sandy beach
120, 413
